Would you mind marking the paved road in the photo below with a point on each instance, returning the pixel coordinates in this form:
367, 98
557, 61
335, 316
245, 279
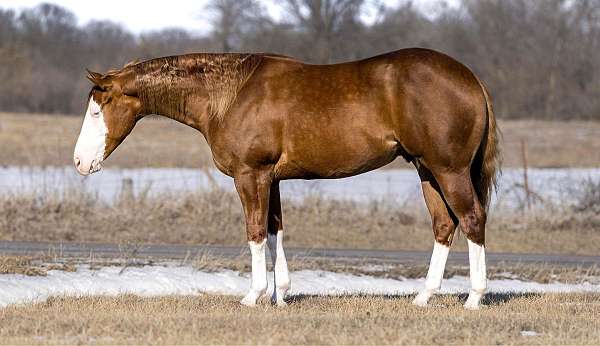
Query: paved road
165, 252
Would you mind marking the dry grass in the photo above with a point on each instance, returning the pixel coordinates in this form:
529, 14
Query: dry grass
43, 140
216, 217
25, 265
556, 318
552, 144
19, 265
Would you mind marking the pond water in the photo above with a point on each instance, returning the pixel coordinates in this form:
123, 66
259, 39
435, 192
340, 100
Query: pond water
557, 186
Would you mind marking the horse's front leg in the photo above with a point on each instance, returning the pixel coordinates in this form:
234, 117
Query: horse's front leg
253, 187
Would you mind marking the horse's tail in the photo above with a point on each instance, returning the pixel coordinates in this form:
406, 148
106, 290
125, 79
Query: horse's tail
486, 165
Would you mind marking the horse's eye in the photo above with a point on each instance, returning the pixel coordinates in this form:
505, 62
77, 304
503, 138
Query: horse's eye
95, 113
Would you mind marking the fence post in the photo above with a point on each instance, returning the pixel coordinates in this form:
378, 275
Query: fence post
525, 178
126, 190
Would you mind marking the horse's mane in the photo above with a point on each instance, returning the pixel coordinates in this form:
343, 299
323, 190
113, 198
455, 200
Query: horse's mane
166, 81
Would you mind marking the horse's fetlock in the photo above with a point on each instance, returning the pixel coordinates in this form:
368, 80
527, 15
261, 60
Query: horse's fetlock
479, 289
283, 284
261, 288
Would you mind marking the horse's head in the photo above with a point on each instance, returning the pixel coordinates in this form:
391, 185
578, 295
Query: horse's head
113, 108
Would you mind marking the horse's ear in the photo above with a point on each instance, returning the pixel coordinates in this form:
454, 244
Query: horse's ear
97, 78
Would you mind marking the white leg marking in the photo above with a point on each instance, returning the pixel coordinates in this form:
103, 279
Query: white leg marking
477, 273
433, 282
258, 286
281, 274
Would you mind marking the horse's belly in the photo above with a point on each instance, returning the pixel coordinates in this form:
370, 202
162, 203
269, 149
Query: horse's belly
331, 159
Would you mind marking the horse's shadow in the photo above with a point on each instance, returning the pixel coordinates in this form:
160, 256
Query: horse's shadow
489, 299
501, 298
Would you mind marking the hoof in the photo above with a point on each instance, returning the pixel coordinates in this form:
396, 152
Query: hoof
472, 302
471, 306
279, 303
422, 298
277, 298
251, 298
248, 301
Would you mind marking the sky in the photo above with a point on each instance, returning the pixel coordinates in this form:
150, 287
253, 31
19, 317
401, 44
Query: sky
139, 16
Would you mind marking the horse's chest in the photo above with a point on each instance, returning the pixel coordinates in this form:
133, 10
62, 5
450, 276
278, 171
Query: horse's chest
224, 158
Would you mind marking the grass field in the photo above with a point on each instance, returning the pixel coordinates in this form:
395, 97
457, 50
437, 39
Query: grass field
506, 319
48, 140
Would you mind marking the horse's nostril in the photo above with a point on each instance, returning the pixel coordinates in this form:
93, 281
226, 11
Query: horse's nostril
77, 161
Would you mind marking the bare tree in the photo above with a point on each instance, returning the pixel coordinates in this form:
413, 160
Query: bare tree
540, 59
171, 42
323, 21
231, 19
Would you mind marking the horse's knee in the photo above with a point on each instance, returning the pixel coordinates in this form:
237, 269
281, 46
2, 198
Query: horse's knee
444, 231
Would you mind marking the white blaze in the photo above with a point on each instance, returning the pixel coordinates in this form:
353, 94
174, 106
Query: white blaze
91, 143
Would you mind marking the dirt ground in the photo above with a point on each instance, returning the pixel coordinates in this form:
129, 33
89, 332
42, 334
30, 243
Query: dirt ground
551, 319
44, 140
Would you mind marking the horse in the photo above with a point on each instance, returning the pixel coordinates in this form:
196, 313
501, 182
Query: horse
269, 118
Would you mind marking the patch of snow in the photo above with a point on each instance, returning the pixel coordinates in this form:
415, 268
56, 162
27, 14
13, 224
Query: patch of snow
185, 280
529, 333
376, 268
507, 275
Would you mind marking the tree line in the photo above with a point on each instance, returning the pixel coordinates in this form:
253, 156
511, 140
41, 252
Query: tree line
539, 58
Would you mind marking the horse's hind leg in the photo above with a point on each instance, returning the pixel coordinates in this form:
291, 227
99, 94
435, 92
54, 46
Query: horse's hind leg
458, 191
275, 243
444, 224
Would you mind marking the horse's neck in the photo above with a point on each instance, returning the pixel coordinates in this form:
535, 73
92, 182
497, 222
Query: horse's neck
171, 86
186, 115
172, 100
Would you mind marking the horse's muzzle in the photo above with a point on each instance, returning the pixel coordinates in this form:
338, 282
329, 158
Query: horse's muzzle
86, 169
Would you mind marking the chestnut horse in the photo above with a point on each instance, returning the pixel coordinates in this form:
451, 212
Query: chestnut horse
269, 118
